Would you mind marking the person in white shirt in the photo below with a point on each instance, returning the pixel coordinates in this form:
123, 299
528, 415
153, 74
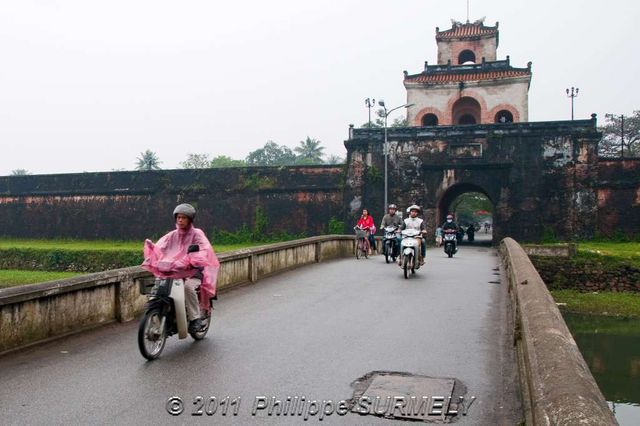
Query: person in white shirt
414, 222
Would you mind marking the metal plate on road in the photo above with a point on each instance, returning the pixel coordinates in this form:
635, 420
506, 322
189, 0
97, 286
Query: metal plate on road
405, 396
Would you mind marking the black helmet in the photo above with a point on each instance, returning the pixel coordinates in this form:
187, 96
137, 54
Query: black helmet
185, 209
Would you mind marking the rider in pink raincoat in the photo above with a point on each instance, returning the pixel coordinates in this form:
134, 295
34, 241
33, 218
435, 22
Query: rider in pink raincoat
173, 256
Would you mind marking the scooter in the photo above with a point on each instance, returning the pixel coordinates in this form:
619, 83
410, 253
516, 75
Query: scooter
409, 251
389, 243
450, 242
165, 315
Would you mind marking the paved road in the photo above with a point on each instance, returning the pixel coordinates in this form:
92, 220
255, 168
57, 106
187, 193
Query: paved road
311, 332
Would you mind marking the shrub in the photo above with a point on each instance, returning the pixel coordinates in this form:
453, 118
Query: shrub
335, 226
64, 260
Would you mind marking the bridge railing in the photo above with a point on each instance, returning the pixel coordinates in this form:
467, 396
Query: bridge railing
35, 313
557, 385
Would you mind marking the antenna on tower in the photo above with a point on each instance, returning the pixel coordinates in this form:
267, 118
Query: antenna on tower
467, 11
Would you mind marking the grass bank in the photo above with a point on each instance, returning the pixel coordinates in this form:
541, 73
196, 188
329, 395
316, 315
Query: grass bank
103, 245
78, 255
599, 303
11, 278
627, 252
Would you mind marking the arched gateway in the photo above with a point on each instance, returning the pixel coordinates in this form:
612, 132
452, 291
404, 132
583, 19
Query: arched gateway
539, 176
445, 203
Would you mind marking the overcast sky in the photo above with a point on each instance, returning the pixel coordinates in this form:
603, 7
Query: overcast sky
88, 85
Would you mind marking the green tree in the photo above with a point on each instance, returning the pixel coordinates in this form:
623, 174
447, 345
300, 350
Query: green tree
399, 122
334, 159
224, 161
271, 154
378, 123
148, 160
615, 140
196, 161
20, 172
467, 208
309, 151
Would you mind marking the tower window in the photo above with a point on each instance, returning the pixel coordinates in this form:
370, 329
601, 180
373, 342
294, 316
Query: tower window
466, 110
430, 120
466, 56
467, 119
504, 116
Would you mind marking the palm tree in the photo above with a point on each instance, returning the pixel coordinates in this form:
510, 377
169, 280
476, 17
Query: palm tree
148, 160
309, 151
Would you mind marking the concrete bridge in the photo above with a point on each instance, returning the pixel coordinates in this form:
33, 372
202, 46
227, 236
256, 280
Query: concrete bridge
339, 331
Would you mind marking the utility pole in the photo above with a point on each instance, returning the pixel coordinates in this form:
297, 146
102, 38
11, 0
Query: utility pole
622, 135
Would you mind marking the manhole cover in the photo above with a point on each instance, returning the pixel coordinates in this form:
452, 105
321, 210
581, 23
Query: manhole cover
405, 396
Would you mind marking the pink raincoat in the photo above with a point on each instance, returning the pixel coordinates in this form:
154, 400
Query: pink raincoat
168, 258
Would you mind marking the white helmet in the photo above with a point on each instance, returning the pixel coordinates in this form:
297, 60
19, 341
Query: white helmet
185, 209
414, 207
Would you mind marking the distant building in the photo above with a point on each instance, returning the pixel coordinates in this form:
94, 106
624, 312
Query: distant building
469, 85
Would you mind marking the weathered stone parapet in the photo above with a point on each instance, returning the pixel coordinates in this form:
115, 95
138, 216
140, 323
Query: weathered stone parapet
555, 250
558, 387
33, 313
588, 275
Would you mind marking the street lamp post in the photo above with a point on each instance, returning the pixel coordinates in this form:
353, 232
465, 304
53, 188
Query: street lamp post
370, 103
573, 93
385, 148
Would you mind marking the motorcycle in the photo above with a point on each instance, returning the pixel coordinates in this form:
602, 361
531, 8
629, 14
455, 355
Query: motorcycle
165, 315
471, 233
389, 243
450, 242
409, 251
460, 235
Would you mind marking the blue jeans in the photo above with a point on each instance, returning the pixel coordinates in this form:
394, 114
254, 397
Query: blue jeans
372, 241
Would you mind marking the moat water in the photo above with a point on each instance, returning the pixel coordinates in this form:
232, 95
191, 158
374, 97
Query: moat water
611, 348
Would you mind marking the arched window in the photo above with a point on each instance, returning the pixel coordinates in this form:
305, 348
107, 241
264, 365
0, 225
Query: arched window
466, 110
430, 120
504, 116
467, 119
466, 56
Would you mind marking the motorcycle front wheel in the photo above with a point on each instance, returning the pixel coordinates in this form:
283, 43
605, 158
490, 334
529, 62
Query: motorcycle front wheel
151, 334
407, 266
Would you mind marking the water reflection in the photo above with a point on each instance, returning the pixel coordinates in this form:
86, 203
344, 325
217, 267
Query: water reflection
611, 348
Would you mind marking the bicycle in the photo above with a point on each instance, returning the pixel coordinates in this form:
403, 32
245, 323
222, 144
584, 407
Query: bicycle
362, 242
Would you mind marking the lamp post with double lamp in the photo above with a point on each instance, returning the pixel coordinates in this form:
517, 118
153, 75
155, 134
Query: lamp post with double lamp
573, 93
385, 148
370, 103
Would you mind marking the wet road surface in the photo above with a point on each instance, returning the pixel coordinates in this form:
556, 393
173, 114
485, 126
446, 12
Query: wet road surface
310, 332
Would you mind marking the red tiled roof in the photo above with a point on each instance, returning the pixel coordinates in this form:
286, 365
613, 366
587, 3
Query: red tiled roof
456, 77
458, 30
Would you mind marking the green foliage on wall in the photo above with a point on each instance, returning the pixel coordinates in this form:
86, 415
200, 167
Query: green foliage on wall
335, 226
